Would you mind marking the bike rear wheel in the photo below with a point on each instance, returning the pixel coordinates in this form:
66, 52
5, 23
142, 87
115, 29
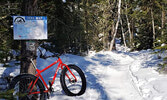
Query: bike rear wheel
71, 86
21, 86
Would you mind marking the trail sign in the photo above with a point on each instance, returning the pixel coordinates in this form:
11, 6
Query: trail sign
30, 45
30, 27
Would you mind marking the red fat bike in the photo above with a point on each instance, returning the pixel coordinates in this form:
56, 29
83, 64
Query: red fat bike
34, 87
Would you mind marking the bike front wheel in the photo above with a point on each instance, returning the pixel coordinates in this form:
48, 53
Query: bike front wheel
70, 85
21, 86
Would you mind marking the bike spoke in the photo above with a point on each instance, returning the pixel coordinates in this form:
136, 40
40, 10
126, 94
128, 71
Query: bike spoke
74, 86
21, 91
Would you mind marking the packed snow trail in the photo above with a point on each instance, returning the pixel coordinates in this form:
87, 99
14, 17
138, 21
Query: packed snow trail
107, 75
115, 76
150, 84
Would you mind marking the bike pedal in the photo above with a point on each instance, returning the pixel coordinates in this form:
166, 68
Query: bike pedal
51, 90
48, 95
50, 86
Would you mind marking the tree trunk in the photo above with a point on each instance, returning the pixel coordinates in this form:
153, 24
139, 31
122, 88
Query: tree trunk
116, 27
129, 29
85, 4
162, 21
123, 34
110, 36
153, 26
29, 8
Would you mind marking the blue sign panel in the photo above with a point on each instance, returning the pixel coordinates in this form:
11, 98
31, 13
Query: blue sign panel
30, 27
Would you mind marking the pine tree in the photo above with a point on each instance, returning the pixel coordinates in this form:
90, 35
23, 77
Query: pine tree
7, 9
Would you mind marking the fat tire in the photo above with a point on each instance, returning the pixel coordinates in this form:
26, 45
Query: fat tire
63, 84
24, 76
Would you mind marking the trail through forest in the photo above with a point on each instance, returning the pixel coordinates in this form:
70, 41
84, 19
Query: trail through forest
117, 76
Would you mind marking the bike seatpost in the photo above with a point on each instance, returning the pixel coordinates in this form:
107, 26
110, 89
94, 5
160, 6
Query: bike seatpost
33, 63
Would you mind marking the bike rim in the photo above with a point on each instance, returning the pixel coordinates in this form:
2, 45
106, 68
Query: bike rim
21, 91
72, 85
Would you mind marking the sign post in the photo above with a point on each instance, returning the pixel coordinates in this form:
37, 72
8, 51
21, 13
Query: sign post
29, 29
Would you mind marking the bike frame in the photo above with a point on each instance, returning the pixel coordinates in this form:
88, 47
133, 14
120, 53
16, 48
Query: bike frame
38, 75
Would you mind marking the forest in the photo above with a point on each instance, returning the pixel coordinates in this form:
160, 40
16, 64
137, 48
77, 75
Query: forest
77, 26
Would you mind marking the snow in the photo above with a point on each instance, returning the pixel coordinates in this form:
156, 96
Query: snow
6, 71
149, 82
118, 75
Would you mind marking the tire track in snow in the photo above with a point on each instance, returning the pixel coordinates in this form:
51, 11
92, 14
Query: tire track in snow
135, 67
134, 79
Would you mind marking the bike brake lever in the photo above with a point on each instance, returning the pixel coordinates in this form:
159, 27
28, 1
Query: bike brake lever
42, 56
56, 55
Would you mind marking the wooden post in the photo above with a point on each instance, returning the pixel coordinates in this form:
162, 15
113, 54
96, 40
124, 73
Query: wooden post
29, 8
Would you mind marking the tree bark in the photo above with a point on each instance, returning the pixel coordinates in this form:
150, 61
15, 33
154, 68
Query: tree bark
129, 29
162, 21
85, 4
29, 8
116, 27
123, 34
153, 26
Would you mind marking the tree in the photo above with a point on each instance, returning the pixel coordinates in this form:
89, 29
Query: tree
7, 9
129, 26
142, 27
116, 26
29, 8
65, 27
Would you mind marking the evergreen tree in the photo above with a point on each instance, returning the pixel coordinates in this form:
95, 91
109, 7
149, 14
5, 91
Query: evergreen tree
7, 44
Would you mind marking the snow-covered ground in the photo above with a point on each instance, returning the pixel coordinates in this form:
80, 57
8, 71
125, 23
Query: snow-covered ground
115, 75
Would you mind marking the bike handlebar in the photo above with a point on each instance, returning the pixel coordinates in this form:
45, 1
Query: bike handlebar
45, 57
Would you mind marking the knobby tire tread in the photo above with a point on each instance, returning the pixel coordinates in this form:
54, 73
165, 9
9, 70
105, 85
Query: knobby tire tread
23, 76
63, 84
